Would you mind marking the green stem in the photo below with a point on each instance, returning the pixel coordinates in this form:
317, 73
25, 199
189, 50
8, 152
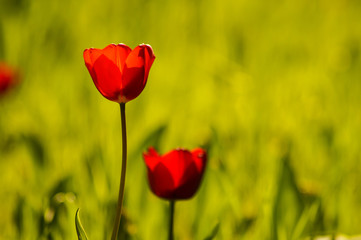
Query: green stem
171, 220
122, 175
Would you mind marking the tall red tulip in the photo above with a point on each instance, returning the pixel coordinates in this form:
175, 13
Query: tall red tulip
177, 174
120, 75
118, 72
8, 78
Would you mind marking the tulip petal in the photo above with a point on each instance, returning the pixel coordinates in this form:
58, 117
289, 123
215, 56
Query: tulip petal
199, 158
105, 67
91, 55
133, 67
160, 181
189, 183
177, 161
116, 53
149, 59
151, 158
192, 175
8, 77
136, 70
177, 174
107, 77
133, 78
132, 84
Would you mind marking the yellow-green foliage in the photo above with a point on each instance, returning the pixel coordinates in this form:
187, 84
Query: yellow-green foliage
272, 88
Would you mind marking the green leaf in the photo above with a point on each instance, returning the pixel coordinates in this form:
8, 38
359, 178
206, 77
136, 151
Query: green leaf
2, 54
79, 227
153, 139
36, 147
213, 233
288, 205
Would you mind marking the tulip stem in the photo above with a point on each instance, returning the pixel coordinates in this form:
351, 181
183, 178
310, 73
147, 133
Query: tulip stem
171, 220
122, 175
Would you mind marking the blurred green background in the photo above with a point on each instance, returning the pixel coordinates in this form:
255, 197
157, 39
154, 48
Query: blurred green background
271, 88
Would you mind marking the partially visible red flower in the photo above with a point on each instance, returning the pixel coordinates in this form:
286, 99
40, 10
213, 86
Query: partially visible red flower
177, 174
8, 78
118, 72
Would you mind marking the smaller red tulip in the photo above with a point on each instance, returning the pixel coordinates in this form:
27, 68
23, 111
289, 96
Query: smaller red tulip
177, 174
8, 78
118, 72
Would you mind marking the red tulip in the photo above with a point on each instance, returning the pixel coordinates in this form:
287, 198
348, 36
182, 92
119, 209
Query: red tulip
8, 78
177, 174
118, 72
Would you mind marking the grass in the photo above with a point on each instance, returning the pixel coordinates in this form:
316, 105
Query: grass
272, 88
